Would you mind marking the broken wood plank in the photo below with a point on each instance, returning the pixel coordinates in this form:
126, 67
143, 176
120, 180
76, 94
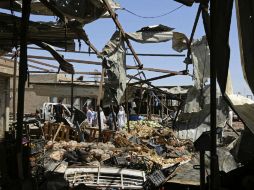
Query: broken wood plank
58, 129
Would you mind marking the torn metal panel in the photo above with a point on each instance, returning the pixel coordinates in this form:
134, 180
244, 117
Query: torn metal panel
64, 65
244, 107
227, 162
36, 7
246, 39
187, 175
120, 28
220, 47
229, 85
115, 65
159, 33
195, 118
188, 3
84, 11
179, 42
152, 34
197, 99
241, 105
201, 61
48, 32
242, 150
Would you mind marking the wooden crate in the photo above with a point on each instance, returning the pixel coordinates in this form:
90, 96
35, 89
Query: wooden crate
58, 131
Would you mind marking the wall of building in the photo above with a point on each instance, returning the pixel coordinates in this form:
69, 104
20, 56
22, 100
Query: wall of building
32, 100
36, 95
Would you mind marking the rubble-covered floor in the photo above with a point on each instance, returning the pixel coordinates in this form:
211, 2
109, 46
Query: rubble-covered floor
148, 147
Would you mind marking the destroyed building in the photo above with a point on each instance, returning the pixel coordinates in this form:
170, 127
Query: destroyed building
101, 119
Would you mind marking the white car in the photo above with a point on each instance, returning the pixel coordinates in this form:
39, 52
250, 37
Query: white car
48, 114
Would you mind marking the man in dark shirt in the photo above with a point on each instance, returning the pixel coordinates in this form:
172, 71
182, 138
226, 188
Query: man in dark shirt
59, 111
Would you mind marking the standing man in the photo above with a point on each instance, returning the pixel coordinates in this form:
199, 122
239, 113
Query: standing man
121, 118
111, 120
102, 119
89, 115
59, 111
94, 118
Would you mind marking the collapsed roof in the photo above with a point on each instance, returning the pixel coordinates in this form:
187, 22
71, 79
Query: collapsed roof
160, 33
84, 11
73, 15
49, 32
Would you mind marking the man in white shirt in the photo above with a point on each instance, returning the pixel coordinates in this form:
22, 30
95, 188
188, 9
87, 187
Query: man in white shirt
102, 119
89, 115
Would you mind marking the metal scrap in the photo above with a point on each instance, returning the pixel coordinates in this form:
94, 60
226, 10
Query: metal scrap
115, 65
84, 11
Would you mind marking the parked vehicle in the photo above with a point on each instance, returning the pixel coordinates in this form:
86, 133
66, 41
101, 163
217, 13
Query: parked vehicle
48, 111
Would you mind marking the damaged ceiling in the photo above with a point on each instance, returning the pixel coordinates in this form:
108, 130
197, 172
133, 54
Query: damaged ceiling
49, 32
84, 11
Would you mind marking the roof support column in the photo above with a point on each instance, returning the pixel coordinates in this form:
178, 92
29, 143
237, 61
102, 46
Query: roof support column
26, 8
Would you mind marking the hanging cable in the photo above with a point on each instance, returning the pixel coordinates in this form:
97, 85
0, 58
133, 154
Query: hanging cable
150, 17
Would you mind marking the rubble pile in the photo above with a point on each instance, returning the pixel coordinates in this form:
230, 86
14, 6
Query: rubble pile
148, 147
81, 153
146, 140
144, 123
158, 144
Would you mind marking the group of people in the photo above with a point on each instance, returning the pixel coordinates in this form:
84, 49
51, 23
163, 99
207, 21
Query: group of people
118, 120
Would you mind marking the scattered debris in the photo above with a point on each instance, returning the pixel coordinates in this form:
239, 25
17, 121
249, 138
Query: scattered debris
64, 150
102, 177
145, 151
